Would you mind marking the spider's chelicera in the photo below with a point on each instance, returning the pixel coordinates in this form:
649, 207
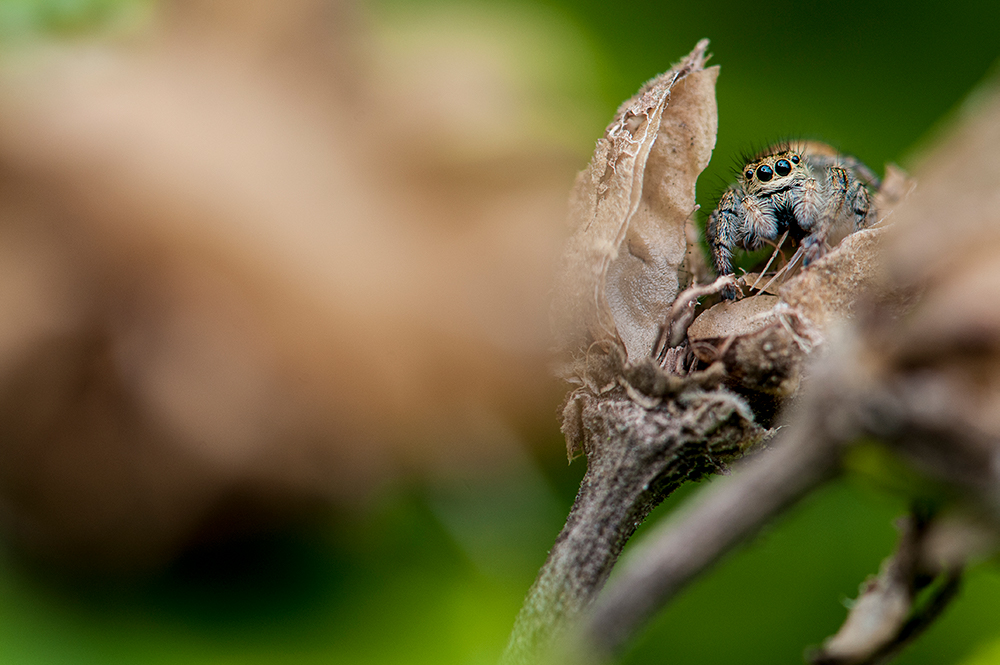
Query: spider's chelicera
807, 189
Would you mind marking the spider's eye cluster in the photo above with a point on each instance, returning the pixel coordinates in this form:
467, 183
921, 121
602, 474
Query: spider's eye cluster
765, 172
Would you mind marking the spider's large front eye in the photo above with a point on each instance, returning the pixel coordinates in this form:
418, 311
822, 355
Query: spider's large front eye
782, 167
764, 172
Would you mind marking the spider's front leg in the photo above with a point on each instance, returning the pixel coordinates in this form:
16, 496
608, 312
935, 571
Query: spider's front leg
724, 230
859, 200
847, 199
852, 164
806, 202
844, 196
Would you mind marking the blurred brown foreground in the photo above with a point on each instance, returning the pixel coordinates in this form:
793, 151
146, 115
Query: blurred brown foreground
247, 258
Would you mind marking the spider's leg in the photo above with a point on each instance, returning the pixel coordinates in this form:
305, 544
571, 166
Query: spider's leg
805, 200
723, 230
835, 195
860, 204
760, 222
853, 164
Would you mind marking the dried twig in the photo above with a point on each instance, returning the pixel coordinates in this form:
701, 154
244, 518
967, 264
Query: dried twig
674, 329
914, 416
635, 458
891, 610
732, 510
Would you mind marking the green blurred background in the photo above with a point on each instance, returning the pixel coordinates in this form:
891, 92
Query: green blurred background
435, 572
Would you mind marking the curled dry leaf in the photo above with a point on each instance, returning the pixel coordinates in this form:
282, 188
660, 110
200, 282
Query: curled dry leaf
629, 255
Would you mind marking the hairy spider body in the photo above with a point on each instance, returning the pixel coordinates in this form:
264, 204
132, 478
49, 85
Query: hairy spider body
807, 189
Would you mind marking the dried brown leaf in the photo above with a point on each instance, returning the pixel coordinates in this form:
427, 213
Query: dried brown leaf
628, 257
828, 291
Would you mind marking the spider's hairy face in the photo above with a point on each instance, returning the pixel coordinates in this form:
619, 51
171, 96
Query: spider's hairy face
774, 172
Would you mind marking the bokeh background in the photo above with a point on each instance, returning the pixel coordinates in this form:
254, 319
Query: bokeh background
273, 363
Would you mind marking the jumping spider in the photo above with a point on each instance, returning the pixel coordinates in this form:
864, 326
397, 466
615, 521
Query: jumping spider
807, 189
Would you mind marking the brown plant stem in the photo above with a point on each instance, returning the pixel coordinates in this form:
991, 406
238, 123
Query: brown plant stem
635, 458
910, 592
840, 406
732, 511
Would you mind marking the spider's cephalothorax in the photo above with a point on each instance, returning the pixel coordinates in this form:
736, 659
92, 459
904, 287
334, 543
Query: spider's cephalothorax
807, 189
